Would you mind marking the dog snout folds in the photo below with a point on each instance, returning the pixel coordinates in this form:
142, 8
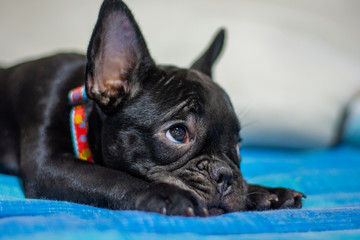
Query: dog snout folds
219, 172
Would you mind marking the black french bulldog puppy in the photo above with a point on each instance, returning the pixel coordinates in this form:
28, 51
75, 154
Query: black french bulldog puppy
163, 139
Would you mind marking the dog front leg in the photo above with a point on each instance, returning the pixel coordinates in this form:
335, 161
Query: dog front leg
70, 179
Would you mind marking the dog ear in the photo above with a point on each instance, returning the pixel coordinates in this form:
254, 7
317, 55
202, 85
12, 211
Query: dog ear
207, 59
117, 56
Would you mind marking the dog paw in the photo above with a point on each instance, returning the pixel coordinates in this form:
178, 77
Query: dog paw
263, 198
286, 198
170, 200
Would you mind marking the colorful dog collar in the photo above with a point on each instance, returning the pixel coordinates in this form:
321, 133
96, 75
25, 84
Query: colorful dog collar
78, 124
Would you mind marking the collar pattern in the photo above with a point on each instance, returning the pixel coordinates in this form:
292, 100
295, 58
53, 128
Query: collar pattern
78, 124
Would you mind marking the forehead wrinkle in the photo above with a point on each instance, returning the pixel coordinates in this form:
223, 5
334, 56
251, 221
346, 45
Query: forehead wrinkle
187, 103
169, 80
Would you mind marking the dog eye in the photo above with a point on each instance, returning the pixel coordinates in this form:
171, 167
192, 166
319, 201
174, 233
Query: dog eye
238, 145
178, 134
238, 148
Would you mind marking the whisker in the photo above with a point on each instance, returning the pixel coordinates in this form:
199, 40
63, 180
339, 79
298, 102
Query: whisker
252, 193
248, 124
244, 112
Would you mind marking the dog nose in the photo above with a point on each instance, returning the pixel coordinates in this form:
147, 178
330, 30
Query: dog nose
223, 177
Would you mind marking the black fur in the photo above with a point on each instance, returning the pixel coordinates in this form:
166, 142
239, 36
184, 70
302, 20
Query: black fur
133, 105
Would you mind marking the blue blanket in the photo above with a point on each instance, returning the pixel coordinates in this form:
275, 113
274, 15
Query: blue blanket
330, 178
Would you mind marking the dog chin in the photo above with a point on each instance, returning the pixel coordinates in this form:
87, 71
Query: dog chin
217, 210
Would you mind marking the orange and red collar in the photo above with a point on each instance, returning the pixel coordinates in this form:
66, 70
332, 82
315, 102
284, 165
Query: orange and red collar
78, 124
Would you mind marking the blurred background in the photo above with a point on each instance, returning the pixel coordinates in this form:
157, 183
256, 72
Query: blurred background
290, 67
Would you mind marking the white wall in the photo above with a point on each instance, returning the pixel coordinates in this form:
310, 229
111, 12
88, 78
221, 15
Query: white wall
289, 66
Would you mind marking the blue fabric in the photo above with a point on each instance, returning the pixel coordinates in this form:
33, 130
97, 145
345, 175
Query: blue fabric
330, 178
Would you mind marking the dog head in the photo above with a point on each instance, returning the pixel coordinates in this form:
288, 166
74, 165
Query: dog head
163, 123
